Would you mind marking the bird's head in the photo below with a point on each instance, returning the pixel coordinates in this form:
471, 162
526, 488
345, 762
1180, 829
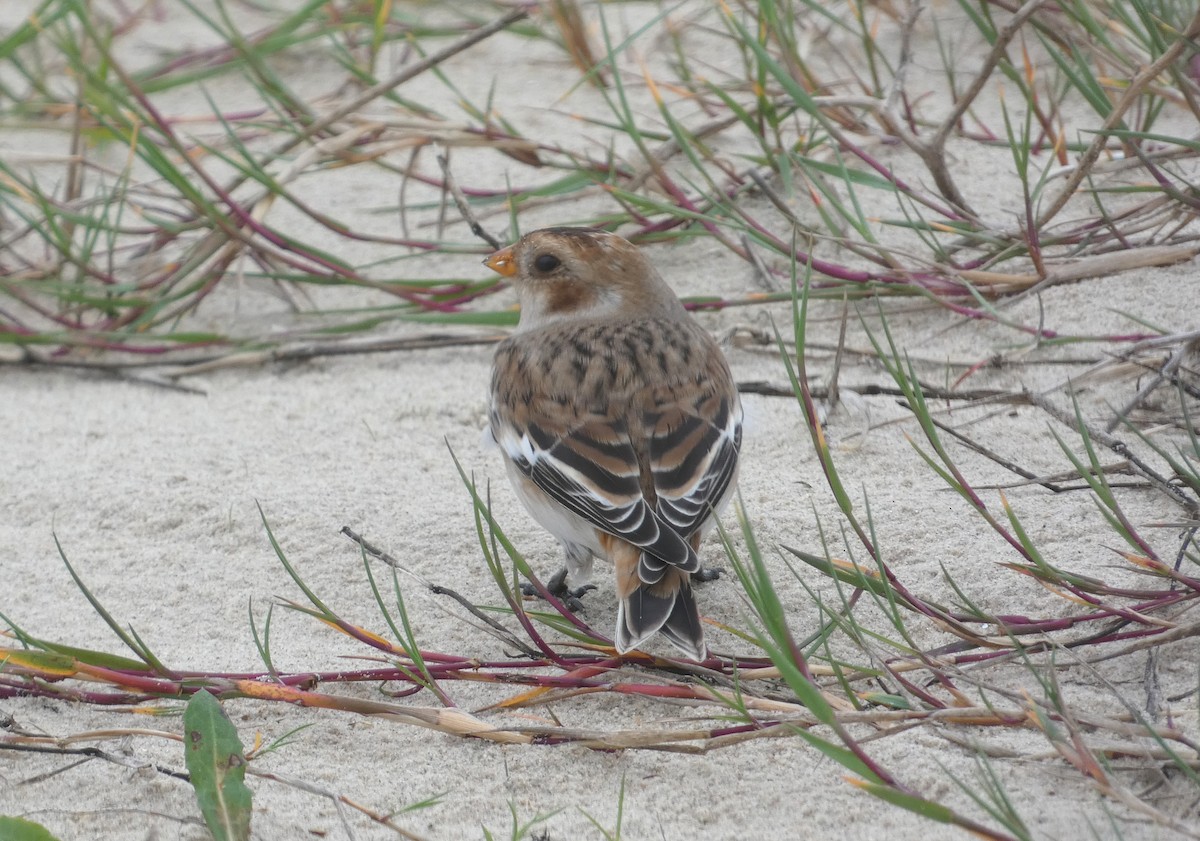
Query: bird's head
581, 273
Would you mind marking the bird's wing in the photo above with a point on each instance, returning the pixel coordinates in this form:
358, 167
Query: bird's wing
694, 443
592, 470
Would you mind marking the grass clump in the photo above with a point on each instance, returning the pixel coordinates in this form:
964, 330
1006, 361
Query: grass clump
126, 209
827, 148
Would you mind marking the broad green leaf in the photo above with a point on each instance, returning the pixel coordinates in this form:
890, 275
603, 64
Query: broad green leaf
19, 829
217, 763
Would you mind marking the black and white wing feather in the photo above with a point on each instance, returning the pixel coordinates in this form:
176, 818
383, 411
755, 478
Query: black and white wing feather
694, 455
593, 471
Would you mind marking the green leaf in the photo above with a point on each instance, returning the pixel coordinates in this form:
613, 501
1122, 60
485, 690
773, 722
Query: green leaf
886, 699
217, 763
39, 661
913, 803
19, 829
92, 658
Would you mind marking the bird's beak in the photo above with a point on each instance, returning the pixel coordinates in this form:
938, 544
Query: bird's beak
503, 262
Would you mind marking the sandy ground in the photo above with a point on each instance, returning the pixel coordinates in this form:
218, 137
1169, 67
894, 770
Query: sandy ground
154, 496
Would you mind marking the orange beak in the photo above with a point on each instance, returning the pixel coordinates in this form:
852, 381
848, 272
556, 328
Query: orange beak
503, 262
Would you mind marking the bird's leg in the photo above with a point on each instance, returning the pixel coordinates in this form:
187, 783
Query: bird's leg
578, 568
704, 574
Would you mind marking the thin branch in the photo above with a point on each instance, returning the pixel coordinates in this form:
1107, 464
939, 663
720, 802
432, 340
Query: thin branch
464, 208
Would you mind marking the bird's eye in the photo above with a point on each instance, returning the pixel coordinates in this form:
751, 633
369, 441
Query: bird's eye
546, 263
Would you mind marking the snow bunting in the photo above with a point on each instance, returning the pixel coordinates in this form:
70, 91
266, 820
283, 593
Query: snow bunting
619, 421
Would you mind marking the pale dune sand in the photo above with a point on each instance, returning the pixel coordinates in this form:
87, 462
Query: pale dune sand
153, 493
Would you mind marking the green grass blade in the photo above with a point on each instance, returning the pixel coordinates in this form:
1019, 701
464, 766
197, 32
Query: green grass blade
129, 638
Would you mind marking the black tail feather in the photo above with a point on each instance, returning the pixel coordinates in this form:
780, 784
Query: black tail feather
644, 614
683, 628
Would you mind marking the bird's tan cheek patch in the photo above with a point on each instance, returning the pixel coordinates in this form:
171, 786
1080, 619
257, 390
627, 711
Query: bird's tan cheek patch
568, 297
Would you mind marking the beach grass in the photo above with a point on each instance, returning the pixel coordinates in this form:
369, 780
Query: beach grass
827, 148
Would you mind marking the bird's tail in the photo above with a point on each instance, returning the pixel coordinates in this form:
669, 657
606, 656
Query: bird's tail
667, 606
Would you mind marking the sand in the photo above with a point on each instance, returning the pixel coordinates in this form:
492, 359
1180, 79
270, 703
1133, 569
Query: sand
154, 496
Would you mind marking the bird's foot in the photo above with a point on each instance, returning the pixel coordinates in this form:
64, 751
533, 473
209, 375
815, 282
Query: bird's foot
706, 574
557, 587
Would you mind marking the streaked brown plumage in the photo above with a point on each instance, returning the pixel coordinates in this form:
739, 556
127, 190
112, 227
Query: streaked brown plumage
619, 421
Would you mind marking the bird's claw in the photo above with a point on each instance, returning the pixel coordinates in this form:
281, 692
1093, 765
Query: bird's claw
570, 598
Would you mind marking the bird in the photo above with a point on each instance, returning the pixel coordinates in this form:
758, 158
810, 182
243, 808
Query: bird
619, 422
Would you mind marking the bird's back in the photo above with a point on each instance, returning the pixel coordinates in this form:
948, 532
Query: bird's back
572, 371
